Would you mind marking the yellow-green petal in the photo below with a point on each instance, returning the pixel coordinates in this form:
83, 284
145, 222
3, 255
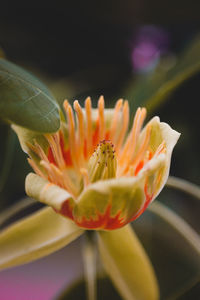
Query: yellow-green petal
46, 192
34, 237
160, 132
127, 264
110, 203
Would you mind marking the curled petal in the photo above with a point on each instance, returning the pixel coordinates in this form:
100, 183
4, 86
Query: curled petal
48, 193
161, 133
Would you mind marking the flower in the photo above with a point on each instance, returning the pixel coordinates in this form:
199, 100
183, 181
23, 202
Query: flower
94, 173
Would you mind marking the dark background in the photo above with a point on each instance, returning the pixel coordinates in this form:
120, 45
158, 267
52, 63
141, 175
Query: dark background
88, 45
85, 48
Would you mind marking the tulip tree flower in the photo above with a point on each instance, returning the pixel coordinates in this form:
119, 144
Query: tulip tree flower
95, 175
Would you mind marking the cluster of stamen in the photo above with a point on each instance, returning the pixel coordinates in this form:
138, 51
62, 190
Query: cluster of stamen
93, 151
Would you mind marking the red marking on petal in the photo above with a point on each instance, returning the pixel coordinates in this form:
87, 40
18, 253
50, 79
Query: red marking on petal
66, 210
150, 155
139, 167
147, 202
102, 221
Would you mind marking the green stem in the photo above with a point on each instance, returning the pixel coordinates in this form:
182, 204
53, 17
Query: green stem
184, 186
89, 261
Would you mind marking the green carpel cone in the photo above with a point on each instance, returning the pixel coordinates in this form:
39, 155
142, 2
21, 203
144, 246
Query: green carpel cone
103, 163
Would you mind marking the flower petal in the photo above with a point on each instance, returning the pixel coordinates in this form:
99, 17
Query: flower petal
47, 193
34, 237
127, 264
109, 204
160, 132
28, 136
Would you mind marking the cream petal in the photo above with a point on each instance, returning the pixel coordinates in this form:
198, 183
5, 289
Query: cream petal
127, 264
162, 132
36, 236
46, 192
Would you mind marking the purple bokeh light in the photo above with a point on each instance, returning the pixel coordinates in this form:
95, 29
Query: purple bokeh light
44, 278
148, 45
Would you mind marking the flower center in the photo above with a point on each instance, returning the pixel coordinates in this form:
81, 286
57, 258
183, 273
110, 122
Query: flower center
102, 164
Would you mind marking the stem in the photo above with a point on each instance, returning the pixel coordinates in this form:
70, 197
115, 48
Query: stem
89, 261
184, 186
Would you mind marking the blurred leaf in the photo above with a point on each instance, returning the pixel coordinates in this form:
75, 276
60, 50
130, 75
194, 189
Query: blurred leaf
35, 236
127, 264
25, 101
153, 89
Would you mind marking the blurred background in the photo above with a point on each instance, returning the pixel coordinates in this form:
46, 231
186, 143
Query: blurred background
145, 51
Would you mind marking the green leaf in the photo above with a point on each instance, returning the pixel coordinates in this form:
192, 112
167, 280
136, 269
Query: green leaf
25, 101
153, 89
34, 237
127, 264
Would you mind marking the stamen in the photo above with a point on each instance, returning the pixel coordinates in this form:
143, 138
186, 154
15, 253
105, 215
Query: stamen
55, 147
115, 119
36, 168
64, 180
125, 120
72, 137
131, 171
58, 174
88, 108
58, 143
101, 118
37, 149
68, 184
51, 174
129, 147
143, 147
81, 130
86, 179
161, 148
